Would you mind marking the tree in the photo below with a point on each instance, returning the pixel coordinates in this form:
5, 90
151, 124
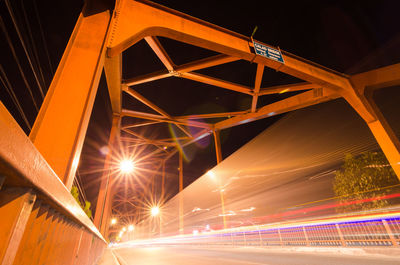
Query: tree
86, 208
365, 178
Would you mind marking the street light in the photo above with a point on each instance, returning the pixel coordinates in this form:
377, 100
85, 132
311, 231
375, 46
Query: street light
113, 221
155, 210
123, 229
131, 228
126, 166
211, 174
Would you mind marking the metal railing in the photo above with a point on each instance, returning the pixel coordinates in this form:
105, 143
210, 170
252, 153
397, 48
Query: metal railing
40, 221
373, 230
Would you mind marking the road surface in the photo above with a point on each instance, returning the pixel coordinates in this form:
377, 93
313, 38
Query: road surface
245, 255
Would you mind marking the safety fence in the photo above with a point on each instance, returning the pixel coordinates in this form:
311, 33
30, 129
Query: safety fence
40, 221
374, 230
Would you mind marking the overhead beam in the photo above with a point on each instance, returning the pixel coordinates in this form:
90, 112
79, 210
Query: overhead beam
159, 50
292, 103
287, 88
147, 141
140, 124
210, 115
143, 139
153, 106
147, 78
184, 68
200, 135
206, 63
134, 20
257, 85
155, 117
145, 101
378, 78
217, 82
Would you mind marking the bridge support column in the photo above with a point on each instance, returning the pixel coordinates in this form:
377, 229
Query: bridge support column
361, 100
383, 133
104, 199
60, 128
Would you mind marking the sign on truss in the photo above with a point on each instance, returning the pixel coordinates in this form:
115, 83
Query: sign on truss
268, 52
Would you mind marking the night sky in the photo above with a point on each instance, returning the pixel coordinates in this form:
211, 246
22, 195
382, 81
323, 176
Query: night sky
347, 36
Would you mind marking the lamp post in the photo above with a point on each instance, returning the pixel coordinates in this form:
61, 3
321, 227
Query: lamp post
155, 212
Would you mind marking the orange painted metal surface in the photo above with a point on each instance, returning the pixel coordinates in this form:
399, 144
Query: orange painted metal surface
59, 130
58, 228
101, 217
46, 231
15, 208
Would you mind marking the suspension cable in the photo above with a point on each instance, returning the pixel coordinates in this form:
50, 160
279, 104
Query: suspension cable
10, 44
33, 49
6, 83
43, 37
12, 15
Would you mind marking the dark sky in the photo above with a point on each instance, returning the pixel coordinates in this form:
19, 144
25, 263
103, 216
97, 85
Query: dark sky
347, 36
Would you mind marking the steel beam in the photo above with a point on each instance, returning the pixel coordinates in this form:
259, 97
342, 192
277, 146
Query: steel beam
135, 20
217, 142
104, 195
287, 88
377, 78
210, 115
292, 103
257, 85
184, 68
205, 63
159, 50
196, 137
217, 82
147, 102
140, 124
59, 130
147, 78
364, 84
113, 72
155, 117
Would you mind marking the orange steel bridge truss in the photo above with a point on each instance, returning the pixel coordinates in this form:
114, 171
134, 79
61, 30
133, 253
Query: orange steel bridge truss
98, 41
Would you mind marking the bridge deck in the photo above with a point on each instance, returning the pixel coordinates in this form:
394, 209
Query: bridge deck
245, 255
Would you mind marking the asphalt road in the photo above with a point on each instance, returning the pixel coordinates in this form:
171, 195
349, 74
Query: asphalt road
240, 256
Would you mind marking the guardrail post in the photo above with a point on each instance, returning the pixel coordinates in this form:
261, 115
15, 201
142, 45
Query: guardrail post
306, 237
389, 232
280, 237
340, 235
15, 208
